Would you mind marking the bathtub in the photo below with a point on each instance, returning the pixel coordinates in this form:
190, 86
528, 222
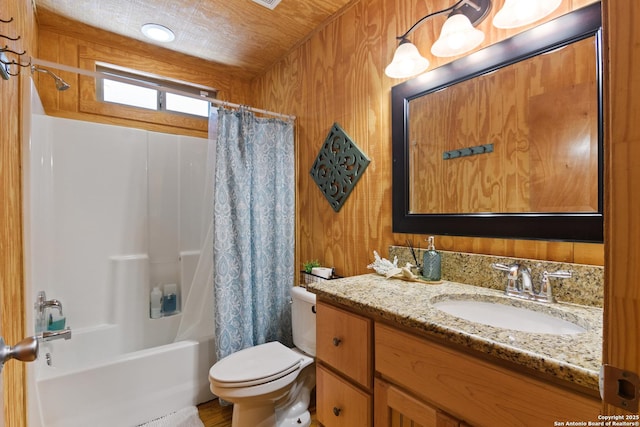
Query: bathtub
88, 385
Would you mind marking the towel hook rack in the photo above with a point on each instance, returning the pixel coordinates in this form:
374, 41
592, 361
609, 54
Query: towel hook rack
6, 49
10, 38
5, 63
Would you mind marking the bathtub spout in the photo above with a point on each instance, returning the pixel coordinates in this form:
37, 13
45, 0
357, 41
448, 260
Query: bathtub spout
42, 303
56, 335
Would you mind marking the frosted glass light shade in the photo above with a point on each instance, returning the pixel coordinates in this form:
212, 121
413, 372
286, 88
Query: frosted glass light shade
457, 37
158, 32
406, 62
517, 13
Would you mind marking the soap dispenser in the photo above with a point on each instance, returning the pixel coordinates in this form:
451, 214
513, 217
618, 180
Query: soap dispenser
431, 262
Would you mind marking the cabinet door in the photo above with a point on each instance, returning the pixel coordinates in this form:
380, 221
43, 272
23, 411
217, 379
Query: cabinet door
396, 408
344, 342
340, 404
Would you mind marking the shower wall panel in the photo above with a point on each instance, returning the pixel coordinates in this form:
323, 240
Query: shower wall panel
100, 191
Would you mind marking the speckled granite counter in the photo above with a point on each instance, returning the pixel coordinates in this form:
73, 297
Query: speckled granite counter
573, 358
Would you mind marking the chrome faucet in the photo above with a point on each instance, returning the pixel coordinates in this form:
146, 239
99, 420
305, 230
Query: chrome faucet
55, 335
41, 306
520, 285
524, 274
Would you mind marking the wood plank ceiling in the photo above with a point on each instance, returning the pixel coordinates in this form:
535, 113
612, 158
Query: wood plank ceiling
239, 33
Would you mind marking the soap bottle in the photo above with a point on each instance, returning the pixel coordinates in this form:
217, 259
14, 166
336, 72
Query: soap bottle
431, 262
170, 299
156, 303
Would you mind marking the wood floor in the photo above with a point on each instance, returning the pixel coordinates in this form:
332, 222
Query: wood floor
214, 415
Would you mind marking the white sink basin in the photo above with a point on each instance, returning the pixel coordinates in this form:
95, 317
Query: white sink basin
508, 317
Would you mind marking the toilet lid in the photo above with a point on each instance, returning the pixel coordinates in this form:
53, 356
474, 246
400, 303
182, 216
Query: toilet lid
255, 365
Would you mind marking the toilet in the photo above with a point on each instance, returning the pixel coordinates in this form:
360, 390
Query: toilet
270, 384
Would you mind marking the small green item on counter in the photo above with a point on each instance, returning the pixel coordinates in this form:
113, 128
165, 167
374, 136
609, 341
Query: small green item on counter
308, 266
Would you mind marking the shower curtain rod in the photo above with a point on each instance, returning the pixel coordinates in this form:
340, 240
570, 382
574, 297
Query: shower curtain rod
99, 75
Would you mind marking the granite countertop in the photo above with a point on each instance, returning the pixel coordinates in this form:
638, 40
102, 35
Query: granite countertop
574, 358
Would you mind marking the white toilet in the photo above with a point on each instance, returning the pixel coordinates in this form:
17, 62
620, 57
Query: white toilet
270, 384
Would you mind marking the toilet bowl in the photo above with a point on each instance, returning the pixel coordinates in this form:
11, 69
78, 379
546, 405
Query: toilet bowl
270, 384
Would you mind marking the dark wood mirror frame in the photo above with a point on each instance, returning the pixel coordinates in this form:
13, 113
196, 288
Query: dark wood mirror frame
578, 227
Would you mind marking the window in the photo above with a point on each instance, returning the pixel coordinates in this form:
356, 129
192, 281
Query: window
140, 91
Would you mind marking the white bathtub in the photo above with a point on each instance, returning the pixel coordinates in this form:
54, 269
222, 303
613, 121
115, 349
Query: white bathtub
87, 385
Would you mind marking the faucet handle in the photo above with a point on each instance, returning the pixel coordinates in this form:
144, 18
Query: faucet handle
512, 269
502, 267
512, 277
545, 289
560, 274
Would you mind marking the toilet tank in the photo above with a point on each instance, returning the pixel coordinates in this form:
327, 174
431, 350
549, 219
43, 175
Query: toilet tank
303, 319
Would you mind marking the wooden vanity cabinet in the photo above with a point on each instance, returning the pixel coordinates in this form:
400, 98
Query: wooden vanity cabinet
422, 383
344, 373
425, 378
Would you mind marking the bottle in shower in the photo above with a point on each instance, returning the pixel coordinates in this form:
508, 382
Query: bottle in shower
431, 262
156, 303
170, 299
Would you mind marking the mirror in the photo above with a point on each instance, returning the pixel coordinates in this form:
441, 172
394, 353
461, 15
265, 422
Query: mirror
505, 142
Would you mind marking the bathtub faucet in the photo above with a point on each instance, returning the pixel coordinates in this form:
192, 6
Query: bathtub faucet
41, 306
56, 335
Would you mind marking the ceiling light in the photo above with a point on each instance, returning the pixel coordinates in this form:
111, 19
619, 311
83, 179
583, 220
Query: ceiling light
517, 13
158, 33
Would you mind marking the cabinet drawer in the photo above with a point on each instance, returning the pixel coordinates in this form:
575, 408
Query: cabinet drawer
479, 392
340, 404
344, 342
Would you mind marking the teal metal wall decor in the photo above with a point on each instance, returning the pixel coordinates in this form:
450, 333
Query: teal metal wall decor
338, 167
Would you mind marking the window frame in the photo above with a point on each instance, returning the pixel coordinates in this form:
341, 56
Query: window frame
160, 85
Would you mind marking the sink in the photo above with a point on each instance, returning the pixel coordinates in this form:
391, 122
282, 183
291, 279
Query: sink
502, 314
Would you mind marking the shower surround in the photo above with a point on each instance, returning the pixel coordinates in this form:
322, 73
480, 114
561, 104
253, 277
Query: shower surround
110, 213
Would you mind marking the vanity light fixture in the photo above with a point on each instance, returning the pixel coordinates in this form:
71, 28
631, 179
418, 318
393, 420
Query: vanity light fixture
458, 34
158, 33
517, 13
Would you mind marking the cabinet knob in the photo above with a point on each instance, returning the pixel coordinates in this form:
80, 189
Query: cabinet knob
336, 341
336, 411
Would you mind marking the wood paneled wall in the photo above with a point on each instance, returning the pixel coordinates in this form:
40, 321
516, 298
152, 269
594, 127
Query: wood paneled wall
622, 216
11, 225
337, 75
76, 45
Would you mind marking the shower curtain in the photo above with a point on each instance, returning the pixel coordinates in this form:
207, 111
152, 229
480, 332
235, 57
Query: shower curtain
253, 250
197, 307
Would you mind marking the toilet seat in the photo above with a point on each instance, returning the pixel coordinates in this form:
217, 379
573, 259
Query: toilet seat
255, 365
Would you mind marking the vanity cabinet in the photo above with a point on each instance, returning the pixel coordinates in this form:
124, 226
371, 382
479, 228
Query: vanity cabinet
344, 373
420, 382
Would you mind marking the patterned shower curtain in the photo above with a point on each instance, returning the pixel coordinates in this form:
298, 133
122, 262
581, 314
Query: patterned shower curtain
253, 231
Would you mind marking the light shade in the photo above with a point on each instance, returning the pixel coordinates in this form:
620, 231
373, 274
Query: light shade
457, 37
406, 62
516, 13
158, 33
